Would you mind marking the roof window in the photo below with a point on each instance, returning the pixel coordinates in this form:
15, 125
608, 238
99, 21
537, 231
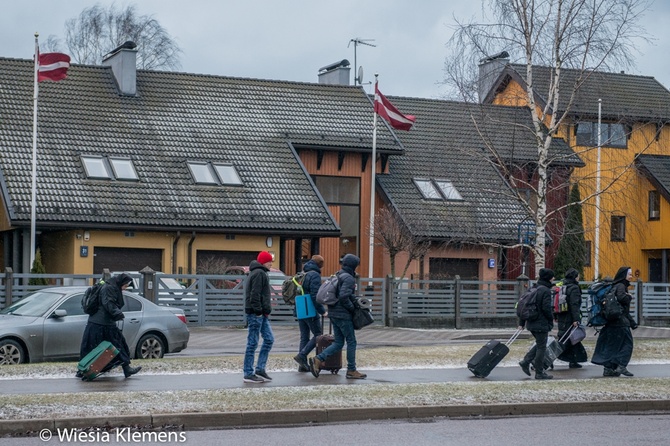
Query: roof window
214, 173
109, 168
437, 189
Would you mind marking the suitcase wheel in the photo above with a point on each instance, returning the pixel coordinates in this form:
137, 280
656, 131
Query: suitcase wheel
334, 372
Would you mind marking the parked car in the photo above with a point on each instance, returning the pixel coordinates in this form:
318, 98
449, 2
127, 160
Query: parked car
167, 286
48, 325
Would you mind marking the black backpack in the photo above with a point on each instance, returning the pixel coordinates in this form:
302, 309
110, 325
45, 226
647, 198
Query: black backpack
526, 308
91, 300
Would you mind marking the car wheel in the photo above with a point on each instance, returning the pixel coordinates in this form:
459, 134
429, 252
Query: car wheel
11, 352
151, 346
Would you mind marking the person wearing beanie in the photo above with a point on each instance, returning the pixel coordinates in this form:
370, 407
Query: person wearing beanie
310, 328
102, 326
614, 346
258, 306
540, 327
340, 315
573, 354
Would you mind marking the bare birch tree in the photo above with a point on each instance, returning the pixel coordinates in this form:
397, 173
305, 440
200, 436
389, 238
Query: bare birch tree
97, 31
582, 35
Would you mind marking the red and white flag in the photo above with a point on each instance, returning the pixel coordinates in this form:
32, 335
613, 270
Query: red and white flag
53, 66
387, 111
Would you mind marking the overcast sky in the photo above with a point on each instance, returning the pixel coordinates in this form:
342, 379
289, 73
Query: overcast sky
292, 39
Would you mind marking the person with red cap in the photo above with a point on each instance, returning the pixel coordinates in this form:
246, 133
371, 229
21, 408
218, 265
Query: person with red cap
257, 306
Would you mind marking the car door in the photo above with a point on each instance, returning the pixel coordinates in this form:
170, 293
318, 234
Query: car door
62, 335
132, 322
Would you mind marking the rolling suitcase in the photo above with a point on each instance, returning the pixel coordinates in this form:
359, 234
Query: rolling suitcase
554, 349
489, 356
333, 363
97, 361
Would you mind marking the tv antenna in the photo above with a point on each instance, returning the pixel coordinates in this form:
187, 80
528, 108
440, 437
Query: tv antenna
358, 77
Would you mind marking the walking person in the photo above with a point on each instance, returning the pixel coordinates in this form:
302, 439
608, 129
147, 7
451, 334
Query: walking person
572, 353
340, 315
310, 328
540, 327
614, 346
258, 306
102, 326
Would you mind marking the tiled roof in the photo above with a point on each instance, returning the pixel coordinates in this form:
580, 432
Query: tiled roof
175, 117
624, 96
447, 142
657, 168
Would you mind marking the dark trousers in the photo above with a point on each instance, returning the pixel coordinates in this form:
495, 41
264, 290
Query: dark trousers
539, 350
310, 328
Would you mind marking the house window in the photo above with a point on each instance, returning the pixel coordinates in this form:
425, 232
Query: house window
654, 205
214, 173
109, 168
618, 228
96, 167
343, 194
612, 134
587, 253
437, 189
123, 169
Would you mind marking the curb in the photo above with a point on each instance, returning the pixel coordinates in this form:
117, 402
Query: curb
225, 420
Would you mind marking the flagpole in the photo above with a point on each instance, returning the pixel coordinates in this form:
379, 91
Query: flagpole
33, 199
373, 165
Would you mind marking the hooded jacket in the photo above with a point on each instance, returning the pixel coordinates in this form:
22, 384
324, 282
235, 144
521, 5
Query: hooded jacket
344, 308
574, 299
312, 282
257, 291
111, 301
545, 320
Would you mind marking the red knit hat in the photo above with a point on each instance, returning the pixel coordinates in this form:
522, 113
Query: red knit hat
264, 257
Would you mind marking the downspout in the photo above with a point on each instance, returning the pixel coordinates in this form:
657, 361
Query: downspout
174, 252
190, 252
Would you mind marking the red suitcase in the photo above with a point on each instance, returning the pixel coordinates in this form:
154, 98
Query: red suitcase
333, 363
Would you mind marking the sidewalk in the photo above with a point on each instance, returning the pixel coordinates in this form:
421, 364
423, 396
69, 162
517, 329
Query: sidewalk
222, 341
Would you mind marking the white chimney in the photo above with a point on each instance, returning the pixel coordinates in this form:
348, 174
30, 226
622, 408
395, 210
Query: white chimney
123, 61
335, 74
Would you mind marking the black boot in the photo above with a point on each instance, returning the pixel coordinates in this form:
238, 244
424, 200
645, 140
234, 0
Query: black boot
129, 371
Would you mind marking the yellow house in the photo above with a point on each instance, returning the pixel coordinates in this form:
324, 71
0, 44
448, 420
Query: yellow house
626, 213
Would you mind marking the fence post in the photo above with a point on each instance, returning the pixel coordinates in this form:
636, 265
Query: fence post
640, 303
150, 285
457, 302
388, 301
521, 286
9, 283
106, 275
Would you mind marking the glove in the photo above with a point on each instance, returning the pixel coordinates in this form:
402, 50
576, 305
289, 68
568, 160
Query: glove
633, 326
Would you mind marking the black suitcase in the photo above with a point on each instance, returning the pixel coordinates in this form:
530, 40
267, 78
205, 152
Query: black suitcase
489, 356
333, 363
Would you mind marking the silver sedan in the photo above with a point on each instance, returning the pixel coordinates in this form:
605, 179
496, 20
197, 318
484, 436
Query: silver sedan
48, 325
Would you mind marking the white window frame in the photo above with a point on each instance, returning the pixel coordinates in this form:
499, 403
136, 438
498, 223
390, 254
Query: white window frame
123, 168
94, 165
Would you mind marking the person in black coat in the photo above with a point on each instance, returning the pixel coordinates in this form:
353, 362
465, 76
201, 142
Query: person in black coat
341, 315
312, 325
540, 327
102, 326
614, 346
573, 354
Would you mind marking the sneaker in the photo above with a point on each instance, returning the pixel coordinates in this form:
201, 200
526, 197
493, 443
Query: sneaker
302, 361
575, 365
609, 372
621, 370
253, 379
315, 366
355, 374
525, 367
263, 375
543, 375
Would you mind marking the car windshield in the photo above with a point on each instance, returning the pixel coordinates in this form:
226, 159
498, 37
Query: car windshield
35, 304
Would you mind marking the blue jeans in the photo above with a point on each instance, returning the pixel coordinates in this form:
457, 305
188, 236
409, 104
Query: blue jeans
258, 325
343, 330
308, 327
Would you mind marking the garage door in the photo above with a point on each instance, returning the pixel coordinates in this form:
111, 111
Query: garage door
126, 259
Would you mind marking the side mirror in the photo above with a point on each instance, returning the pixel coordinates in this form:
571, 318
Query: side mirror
60, 313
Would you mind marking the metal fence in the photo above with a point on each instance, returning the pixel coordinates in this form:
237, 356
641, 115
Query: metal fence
210, 300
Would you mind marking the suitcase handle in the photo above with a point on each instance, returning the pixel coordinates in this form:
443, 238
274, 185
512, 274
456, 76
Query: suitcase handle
330, 324
513, 338
566, 335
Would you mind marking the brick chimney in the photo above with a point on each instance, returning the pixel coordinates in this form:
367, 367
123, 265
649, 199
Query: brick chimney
123, 61
335, 74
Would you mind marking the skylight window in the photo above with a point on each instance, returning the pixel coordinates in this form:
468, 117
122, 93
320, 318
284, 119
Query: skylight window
437, 190
109, 168
214, 173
